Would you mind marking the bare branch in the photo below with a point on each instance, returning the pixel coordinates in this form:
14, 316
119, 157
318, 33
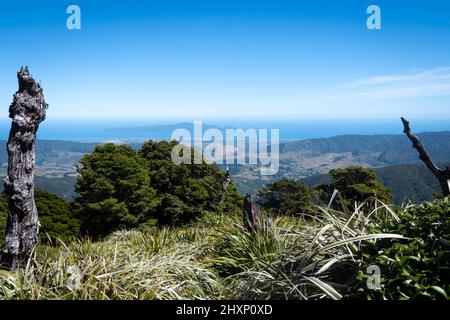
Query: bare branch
424, 156
442, 175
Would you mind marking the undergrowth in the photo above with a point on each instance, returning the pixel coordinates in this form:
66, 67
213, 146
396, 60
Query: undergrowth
307, 257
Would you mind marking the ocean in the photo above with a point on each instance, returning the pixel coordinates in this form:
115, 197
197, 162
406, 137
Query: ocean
129, 130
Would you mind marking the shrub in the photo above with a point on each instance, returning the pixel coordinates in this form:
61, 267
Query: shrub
185, 191
418, 268
286, 197
356, 185
122, 188
114, 190
214, 258
294, 258
56, 218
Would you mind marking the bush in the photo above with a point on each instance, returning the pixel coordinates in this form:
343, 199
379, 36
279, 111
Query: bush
122, 188
286, 197
214, 258
293, 258
418, 268
356, 185
186, 191
114, 190
56, 218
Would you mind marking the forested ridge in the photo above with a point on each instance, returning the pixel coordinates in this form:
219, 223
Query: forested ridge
414, 183
389, 149
392, 149
391, 156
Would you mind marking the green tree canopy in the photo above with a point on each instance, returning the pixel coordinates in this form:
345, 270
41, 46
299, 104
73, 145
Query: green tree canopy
186, 191
286, 197
56, 217
355, 184
120, 187
114, 190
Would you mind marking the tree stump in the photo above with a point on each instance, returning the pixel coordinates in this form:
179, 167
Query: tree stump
251, 216
27, 111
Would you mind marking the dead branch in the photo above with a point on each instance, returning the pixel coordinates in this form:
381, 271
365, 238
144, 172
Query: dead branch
442, 175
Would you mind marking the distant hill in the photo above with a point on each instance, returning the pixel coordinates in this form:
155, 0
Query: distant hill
307, 160
62, 186
406, 182
54, 151
317, 154
374, 151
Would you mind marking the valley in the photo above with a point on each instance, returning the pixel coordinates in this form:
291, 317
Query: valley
396, 163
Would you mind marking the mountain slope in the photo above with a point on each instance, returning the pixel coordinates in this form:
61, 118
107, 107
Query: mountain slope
373, 151
406, 182
298, 160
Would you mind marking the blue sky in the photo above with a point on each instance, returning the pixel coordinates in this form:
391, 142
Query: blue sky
205, 59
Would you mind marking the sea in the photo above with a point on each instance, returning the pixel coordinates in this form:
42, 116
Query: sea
136, 130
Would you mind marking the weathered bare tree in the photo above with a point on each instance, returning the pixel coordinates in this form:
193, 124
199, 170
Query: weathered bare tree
443, 175
27, 111
251, 216
226, 184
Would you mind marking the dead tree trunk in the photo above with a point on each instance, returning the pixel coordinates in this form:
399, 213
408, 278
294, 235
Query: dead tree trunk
251, 216
27, 111
226, 184
443, 175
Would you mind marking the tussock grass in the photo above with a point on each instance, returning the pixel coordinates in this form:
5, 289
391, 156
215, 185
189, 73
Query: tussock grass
302, 259
127, 265
309, 257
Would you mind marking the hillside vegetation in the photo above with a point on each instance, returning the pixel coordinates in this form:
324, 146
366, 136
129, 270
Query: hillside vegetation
121, 187
407, 183
211, 259
215, 258
143, 227
57, 160
414, 269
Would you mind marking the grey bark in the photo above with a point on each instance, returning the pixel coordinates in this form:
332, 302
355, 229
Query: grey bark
27, 111
226, 184
251, 216
443, 175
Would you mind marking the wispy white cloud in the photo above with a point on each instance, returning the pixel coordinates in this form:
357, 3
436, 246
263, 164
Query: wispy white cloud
413, 84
